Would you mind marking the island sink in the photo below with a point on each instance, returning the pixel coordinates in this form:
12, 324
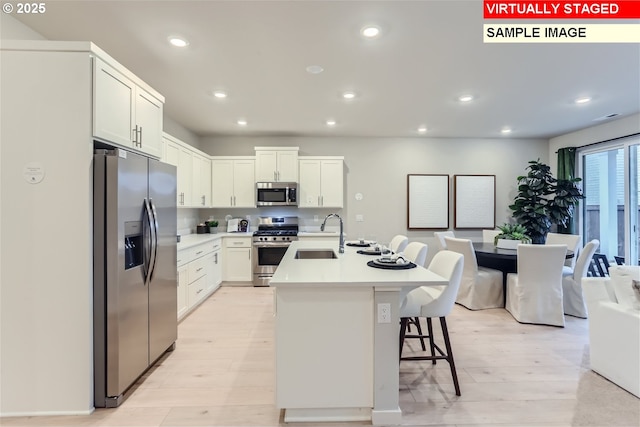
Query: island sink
315, 254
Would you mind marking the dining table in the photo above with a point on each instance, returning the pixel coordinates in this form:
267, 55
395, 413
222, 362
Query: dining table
505, 260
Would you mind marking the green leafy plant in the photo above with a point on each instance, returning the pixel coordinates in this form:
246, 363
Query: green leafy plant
512, 232
543, 200
211, 223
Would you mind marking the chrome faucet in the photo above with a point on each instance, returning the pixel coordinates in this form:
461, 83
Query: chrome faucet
341, 247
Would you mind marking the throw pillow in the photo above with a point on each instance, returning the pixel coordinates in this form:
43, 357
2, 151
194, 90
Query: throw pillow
623, 278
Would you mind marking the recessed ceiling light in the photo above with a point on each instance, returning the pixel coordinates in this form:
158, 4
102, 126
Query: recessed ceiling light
330, 122
422, 129
370, 31
178, 41
349, 95
219, 94
241, 122
583, 100
314, 69
506, 130
465, 98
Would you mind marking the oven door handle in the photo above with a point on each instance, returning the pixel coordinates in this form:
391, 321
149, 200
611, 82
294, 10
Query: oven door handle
271, 245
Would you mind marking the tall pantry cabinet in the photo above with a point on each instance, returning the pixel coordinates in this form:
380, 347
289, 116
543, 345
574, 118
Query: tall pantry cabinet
46, 167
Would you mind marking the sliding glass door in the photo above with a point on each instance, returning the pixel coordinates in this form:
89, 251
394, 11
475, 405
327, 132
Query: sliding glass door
610, 210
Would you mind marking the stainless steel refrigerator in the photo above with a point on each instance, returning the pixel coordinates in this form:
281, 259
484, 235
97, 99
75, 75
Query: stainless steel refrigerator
135, 278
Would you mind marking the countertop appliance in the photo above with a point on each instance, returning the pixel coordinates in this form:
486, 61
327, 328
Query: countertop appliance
276, 194
270, 242
135, 278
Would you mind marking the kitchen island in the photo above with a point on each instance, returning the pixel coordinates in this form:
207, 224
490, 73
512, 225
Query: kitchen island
337, 331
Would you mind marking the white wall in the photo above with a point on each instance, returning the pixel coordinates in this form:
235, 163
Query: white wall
603, 132
175, 129
46, 363
378, 168
12, 29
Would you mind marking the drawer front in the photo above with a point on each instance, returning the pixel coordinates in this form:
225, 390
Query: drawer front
185, 256
197, 269
201, 250
196, 291
237, 242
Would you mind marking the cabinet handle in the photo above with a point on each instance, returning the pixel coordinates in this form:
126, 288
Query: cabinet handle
198, 253
203, 200
215, 258
321, 200
135, 135
140, 139
234, 200
238, 243
230, 200
199, 290
275, 176
199, 269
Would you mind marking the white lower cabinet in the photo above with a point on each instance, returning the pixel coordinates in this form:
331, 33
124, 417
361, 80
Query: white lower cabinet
183, 283
199, 274
237, 259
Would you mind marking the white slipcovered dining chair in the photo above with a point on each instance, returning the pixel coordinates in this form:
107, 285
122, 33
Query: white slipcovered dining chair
534, 294
573, 244
431, 302
398, 243
488, 236
574, 303
416, 252
480, 287
440, 235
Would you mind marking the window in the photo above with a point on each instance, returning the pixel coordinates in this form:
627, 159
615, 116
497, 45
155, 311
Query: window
610, 211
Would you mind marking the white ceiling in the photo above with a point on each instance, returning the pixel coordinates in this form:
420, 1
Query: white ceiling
428, 54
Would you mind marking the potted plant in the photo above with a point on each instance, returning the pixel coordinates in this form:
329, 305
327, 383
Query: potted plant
213, 226
511, 235
543, 200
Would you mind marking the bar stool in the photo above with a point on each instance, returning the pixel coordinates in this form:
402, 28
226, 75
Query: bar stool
398, 243
436, 301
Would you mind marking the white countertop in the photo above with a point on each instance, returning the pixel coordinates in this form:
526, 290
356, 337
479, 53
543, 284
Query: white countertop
319, 234
349, 268
191, 240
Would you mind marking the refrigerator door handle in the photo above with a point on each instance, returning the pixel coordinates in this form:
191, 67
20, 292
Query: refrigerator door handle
154, 229
147, 236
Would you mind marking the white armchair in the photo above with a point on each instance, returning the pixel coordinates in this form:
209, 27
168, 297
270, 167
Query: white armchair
614, 327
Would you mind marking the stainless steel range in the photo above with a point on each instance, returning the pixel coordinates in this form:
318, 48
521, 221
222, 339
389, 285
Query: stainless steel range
270, 242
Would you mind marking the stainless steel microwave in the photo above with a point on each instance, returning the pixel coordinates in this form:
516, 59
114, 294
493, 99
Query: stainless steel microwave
276, 194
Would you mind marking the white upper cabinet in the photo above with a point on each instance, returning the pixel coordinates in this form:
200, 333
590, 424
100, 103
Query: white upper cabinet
201, 181
276, 164
179, 154
233, 182
125, 113
321, 182
149, 122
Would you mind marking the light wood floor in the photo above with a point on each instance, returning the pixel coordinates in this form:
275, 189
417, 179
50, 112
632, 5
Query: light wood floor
221, 374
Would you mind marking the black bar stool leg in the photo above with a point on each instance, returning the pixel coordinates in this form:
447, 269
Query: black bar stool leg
417, 322
447, 343
431, 343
